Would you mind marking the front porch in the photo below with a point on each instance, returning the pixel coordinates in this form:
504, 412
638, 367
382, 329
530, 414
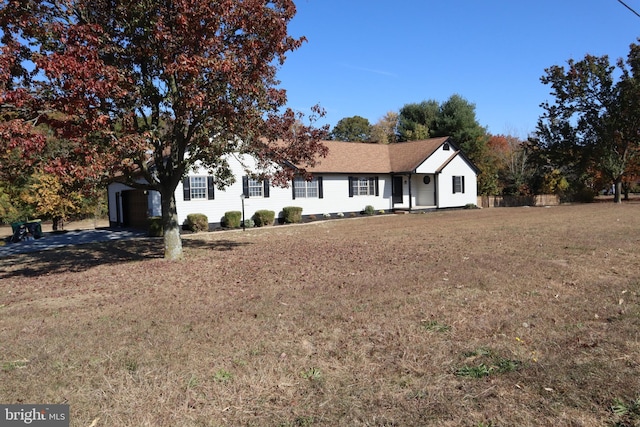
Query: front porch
414, 192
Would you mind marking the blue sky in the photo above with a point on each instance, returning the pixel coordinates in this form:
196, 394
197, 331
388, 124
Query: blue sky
368, 57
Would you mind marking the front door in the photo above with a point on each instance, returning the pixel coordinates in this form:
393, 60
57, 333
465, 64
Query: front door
397, 190
134, 209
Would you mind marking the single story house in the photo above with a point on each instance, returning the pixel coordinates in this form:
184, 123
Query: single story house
415, 175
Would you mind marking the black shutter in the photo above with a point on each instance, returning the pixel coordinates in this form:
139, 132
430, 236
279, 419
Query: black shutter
266, 188
377, 184
350, 186
245, 186
462, 183
293, 189
186, 194
210, 189
320, 192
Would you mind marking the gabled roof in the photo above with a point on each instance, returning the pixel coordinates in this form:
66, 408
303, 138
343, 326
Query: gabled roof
407, 156
358, 157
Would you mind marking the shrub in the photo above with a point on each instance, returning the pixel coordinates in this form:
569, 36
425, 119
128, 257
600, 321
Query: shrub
340, 215
197, 222
584, 195
368, 210
292, 214
327, 215
155, 226
312, 217
249, 223
232, 219
264, 217
470, 206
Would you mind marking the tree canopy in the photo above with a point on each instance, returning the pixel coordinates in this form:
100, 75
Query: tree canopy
456, 117
384, 131
150, 88
591, 129
352, 129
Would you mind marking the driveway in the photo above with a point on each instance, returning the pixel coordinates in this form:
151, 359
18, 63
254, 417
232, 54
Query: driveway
78, 237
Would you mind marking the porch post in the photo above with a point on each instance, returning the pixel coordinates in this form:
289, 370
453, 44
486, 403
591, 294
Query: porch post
410, 200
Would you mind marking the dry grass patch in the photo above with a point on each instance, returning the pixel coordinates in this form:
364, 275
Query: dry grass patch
494, 317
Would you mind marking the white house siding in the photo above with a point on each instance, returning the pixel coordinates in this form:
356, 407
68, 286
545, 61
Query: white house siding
436, 159
423, 194
335, 197
335, 190
446, 197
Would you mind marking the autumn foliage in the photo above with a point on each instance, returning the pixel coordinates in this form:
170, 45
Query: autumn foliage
146, 89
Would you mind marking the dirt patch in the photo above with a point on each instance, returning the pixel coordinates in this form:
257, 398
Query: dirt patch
515, 316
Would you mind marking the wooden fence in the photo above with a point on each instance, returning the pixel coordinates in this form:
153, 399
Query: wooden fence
512, 201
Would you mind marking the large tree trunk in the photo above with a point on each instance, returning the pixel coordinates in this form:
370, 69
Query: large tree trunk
172, 239
626, 188
617, 194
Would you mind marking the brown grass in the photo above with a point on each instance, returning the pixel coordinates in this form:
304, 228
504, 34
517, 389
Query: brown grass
368, 322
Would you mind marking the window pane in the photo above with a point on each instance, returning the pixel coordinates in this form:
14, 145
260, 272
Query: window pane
364, 187
457, 184
255, 188
306, 188
198, 187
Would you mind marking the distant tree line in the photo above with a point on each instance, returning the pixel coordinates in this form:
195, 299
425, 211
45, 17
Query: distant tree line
586, 141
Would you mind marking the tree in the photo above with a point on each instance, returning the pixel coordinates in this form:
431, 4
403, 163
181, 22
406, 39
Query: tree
418, 120
354, 128
457, 119
385, 129
150, 88
8, 211
51, 199
510, 157
592, 128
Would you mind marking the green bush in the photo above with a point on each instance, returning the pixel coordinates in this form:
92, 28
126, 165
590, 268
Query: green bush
249, 223
232, 219
155, 226
292, 214
369, 210
197, 222
264, 217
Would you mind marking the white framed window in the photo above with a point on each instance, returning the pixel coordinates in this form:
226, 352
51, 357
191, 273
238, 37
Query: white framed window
359, 186
198, 187
458, 184
252, 187
305, 189
255, 188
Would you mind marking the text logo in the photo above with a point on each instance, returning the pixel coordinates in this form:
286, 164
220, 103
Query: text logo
34, 415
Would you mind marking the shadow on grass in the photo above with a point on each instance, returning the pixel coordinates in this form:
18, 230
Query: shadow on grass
78, 258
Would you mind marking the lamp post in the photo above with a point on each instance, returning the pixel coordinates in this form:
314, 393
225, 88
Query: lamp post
242, 197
